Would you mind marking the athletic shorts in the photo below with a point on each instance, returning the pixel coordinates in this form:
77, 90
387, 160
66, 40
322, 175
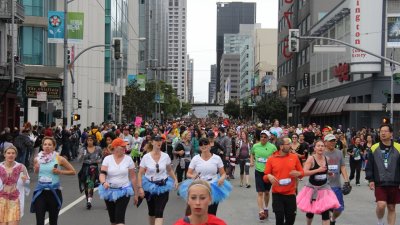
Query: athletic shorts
388, 194
339, 196
261, 186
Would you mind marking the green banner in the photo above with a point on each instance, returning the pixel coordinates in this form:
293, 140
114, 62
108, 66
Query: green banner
141, 81
75, 21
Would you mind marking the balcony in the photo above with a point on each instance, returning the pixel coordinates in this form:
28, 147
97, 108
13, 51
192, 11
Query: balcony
5, 71
6, 13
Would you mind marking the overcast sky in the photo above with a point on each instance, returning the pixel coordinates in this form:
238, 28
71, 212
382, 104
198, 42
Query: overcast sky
201, 30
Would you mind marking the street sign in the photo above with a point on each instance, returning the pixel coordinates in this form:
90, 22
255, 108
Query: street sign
292, 90
41, 96
329, 48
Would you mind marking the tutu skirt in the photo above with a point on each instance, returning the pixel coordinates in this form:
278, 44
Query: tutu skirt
155, 189
112, 194
326, 199
218, 193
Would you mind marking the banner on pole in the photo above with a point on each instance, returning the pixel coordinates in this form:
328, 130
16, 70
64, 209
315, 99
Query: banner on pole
56, 32
75, 23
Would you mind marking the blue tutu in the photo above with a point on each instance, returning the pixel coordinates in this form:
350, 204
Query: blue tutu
112, 194
155, 189
218, 193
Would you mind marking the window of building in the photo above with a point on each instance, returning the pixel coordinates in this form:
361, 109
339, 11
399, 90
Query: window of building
31, 44
325, 76
33, 7
313, 79
318, 77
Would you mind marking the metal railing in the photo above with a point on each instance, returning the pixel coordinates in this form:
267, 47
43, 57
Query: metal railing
6, 10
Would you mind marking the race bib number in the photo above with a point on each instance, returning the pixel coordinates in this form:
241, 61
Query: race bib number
320, 177
333, 168
357, 157
285, 182
262, 160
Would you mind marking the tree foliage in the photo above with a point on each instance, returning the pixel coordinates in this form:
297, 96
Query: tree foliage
137, 102
246, 111
271, 108
232, 109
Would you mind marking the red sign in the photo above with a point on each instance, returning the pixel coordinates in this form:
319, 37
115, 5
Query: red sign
341, 71
287, 15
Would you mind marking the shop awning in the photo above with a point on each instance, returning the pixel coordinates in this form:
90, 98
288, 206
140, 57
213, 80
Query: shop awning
308, 106
327, 107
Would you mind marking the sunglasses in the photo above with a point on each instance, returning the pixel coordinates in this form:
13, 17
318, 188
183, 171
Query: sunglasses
157, 168
203, 144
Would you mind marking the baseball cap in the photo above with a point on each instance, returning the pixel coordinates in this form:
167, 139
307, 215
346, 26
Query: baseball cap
118, 142
156, 137
329, 137
266, 133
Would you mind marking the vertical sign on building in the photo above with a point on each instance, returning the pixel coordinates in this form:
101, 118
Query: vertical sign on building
364, 34
306, 80
75, 26
55, 32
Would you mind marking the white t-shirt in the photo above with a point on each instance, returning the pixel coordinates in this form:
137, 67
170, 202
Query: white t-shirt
118, 174
150, 165
208, 169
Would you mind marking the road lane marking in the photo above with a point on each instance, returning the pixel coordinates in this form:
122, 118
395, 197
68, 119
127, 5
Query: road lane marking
68, 207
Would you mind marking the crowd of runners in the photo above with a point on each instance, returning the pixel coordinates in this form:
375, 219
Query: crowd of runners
198, 158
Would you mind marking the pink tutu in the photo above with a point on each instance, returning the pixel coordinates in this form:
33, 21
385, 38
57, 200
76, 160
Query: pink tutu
326, 199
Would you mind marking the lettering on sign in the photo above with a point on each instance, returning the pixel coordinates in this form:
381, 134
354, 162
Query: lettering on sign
357, 13
287, 16
341, 71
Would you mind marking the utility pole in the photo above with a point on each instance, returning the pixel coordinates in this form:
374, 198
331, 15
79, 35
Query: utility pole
12, 42
120, 91
67, 115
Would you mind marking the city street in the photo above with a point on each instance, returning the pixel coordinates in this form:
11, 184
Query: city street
240, 208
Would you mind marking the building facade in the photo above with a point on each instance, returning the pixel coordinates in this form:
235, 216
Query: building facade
352, 87
265, 61
12, 103
190, 74
230, 78
293, 69
229, 17
212, 84
177, 48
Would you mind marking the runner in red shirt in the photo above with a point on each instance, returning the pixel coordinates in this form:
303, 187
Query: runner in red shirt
197, 206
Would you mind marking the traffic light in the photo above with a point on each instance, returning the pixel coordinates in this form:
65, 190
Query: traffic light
294, 35
68, 56
76, 117
117, 43
79, 104
385, 120
384, 107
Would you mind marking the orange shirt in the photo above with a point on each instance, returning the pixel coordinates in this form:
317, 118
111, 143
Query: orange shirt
280, 167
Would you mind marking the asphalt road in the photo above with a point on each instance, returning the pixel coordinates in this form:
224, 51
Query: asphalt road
239, 209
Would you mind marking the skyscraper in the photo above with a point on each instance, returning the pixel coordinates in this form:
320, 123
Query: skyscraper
177, 48
212, 84
229, 17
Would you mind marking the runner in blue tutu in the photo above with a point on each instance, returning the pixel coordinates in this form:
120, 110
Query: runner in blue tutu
208, 167
154, 182
118, 181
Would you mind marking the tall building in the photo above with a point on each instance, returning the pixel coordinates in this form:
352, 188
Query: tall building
230, 72
294, 68
190, 74
12, 89
265, 60
229, 17
153, 52
177, 48
212, 84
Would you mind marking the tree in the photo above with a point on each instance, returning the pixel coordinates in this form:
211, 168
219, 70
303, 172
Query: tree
246, 112
186, 107
232, 109
271, 108
137, 102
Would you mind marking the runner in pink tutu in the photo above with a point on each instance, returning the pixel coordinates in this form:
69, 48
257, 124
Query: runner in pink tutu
316, 197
